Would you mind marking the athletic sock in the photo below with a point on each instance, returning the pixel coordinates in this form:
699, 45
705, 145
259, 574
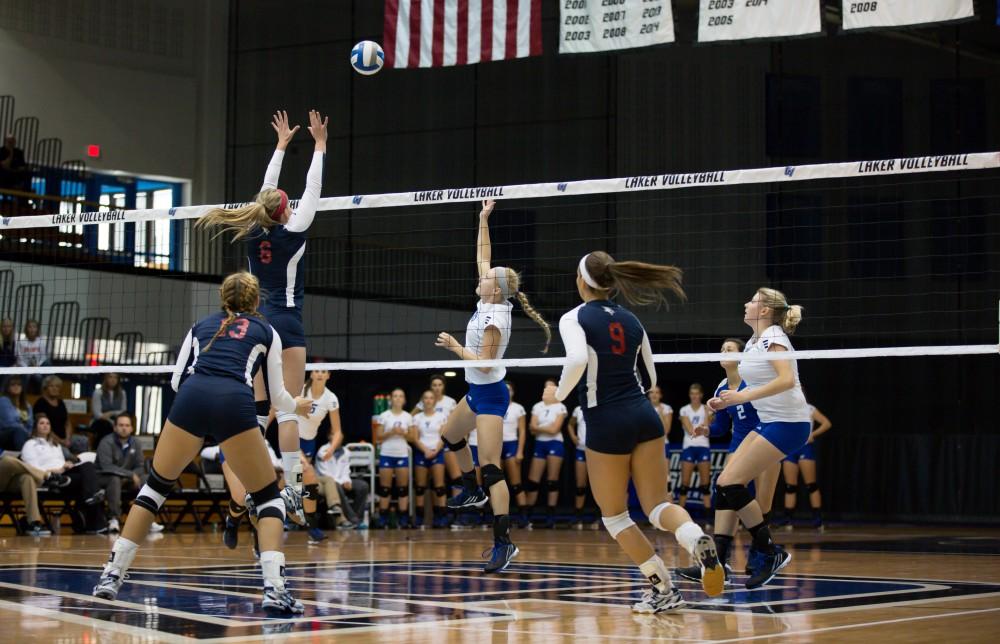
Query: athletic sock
723, 544
762, 538
501, 528
272, 568
122, 554
656, 572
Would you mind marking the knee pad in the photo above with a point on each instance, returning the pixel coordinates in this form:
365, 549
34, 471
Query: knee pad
552, 485
419, 491
235, 509
382, 491
400, 492
263, 407
269, 502
287, 417
491, 475
312, 491
453, 446
581, 491
654, 514
531, 486
682, 490
732, 497
705, 489
812, 487
154, 492
440, 491
791, 489
618, 523
515, 489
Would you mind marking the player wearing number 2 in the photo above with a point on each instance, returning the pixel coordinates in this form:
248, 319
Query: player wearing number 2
604, 342
276, 242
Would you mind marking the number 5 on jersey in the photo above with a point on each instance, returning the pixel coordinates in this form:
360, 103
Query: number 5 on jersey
617, 333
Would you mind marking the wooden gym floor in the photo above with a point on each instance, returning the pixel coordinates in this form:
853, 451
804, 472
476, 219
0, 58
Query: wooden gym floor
851, 584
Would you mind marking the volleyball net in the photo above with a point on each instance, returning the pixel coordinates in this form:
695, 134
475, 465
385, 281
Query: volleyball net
893, 258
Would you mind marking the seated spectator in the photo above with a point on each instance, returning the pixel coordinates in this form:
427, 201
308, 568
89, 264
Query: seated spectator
51, 404
106, 404
15, 414
344, 495
44, 452
15, 475
8, 342
120, 464
32, 351
14, 172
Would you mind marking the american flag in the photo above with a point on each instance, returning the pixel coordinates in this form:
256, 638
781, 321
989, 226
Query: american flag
438, 33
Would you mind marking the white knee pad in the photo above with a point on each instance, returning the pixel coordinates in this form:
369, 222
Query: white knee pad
286, 416
654, 516
618, 523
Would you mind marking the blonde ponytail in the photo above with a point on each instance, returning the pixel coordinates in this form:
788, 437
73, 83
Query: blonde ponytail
514, 284
241, 221
239, 293
788, 317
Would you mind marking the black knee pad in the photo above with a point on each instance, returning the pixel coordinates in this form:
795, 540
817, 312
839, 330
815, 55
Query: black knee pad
581, 491
263, 407
812, 487
705, 489
732, 497
453, 446
552, 485
383, 491
400, 492
531, 486
158, 483
312, 491
682, 490
154, 492
269, 502
440, 491
235, 509
491, 475
791, 489
515, 489
419, 491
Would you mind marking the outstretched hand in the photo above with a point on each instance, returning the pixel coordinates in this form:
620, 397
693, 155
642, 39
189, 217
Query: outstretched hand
317, 127
488, 205
280, 124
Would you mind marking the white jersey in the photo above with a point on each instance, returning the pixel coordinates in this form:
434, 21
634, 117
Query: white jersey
546, 415
488, 315
515, 412
443, 406
663, 409
699, 417
788, 406
327, 402
429, 428
394, 447
581, 428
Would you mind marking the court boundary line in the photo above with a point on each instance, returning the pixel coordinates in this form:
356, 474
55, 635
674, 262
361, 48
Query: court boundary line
92, 622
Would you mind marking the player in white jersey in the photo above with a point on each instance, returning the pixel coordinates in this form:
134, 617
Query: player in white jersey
665, 411
695, 418
486, 337
391, 433
325, 405
774, 388
514, 435
577, 427
547, 417
804, 461
445, 404
428, 458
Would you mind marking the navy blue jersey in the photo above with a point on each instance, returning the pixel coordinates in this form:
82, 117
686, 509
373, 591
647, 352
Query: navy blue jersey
605, 340
237, 353
275, 257
742, 419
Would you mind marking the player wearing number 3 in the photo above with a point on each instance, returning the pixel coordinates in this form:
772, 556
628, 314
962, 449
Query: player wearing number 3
604, 342
276, 241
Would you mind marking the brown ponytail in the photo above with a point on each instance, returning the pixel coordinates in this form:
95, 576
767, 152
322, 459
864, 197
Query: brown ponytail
244, 219
239, 293
514, 283
638, 282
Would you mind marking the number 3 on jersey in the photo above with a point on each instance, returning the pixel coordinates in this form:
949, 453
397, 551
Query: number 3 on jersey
617, 333
264, 252
240, 331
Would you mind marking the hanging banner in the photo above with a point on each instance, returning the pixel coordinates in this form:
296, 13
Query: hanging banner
587, 26
720, 20
869, 14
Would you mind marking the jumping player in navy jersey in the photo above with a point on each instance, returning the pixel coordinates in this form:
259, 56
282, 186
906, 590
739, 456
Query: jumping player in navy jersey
775, 390
213, 379
275, 235
484, 407
604, 342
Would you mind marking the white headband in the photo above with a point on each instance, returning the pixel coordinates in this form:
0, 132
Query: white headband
501, 276
585, 275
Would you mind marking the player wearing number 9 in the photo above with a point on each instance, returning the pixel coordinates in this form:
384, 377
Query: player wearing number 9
604, 342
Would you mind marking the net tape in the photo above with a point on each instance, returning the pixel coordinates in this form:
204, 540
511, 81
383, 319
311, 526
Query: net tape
783, 174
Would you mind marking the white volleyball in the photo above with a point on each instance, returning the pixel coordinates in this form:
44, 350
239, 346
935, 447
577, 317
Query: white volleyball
367, 57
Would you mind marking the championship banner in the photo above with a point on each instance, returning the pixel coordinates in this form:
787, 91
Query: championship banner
720, 20
587, 26
869, 14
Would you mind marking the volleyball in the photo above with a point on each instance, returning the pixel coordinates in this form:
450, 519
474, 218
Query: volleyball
367, 57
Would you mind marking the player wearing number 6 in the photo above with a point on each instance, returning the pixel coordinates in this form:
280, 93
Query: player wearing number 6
604, 342
276, 241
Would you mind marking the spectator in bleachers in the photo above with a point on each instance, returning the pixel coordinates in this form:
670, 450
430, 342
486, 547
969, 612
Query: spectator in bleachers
14, 476
341, 491
14, 172
51, 404
16, 416
8, 343
120, 464
44, 452
106, 404
33, 349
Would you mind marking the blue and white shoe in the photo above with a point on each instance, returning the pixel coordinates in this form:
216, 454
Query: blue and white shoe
281, 601
501, 554
765, 566
110, 583
465, 499
293, 505
653, 601
316, 536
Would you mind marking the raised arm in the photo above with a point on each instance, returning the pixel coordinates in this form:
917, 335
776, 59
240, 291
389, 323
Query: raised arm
302, 217
484, 251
